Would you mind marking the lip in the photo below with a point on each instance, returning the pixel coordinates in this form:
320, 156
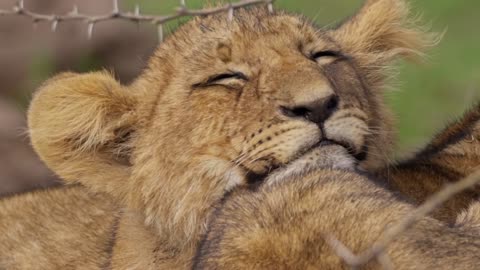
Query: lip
359, 156
256, 179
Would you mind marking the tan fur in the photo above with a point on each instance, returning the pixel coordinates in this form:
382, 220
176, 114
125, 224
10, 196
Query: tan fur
171, 145
470, 217
58, 228
285, 226
452, 155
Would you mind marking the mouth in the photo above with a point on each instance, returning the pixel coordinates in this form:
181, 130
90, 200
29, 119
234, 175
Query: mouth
256, 179
358, 155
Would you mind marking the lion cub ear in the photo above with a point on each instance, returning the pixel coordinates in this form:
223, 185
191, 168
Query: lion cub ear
382, 30
82, 125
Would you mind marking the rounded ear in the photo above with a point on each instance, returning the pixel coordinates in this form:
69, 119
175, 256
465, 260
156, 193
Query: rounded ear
82, 125
384, 26
381, 31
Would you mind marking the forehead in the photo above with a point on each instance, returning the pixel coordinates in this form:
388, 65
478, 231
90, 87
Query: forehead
251, 32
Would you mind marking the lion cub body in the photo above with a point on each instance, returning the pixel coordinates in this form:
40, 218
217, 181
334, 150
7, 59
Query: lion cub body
223, 99
286, 226
453, 154
59, 228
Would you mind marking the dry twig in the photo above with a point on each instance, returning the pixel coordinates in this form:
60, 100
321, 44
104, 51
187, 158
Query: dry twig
378, 249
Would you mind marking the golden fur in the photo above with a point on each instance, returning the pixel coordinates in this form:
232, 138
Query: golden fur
285, 226
57, 228
221, 105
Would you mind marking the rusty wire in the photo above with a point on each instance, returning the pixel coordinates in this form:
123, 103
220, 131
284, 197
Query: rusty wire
136, 16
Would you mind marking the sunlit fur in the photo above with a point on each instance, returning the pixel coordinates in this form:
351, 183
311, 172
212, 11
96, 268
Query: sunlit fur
286, 226
169, 146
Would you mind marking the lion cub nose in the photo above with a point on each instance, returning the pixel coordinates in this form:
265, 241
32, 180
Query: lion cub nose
317, 111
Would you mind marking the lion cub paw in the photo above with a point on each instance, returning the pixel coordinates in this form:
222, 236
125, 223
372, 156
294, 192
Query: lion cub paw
330, 156
470, 218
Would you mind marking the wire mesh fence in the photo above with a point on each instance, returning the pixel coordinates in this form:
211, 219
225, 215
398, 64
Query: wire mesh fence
136, 16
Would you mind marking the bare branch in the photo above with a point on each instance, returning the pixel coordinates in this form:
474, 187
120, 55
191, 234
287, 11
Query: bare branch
378, 249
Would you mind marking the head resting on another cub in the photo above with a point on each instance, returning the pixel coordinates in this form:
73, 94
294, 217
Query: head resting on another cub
222, 100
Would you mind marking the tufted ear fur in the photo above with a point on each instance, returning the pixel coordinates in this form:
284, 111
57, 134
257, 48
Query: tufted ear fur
381, 31
81, 125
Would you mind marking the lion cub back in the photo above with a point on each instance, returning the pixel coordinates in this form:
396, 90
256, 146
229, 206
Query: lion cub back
60, 228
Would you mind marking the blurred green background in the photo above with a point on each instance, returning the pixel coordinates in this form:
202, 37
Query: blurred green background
425, 96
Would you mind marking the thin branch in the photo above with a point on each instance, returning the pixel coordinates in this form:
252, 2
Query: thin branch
378, 249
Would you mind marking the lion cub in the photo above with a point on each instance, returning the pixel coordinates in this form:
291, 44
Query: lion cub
220, 101
453, 154
286, 224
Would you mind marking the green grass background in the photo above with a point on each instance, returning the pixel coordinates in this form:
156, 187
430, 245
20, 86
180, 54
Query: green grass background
427, 95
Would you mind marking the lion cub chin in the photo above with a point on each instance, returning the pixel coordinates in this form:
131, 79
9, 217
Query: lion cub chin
326, 155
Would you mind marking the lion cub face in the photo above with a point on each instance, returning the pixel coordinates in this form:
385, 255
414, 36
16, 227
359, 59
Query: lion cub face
261, 90
221, 100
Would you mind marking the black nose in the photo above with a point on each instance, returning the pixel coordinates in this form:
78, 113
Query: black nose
317, 111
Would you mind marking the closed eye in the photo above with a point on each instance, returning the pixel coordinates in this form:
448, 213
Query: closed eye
325, 54
225, 76
325, 57
231, 79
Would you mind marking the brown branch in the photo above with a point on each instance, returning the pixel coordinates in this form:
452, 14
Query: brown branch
378, 249
91, 20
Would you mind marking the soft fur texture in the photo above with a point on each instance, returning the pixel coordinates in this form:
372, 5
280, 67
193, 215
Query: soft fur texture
285, 226
221, 101
57, 228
